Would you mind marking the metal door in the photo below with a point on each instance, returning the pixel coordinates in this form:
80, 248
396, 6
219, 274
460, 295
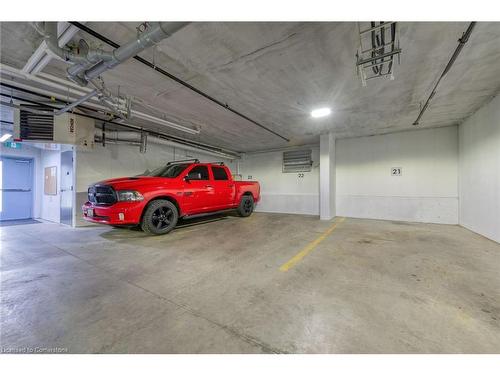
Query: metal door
66, 209
17, 188
224, 188
199, 193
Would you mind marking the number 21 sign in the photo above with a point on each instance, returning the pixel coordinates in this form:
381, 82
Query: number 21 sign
396, 171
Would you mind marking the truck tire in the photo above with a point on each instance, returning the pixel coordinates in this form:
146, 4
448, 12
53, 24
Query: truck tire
160, 217
246, 206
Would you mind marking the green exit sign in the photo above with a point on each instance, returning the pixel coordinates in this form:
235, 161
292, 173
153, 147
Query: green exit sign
12, 144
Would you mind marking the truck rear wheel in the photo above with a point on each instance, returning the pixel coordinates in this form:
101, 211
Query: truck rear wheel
160, 217
246, 206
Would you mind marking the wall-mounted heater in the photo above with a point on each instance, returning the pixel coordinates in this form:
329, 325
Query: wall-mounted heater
33, 123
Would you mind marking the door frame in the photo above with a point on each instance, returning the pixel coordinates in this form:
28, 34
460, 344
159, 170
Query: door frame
33, 181
73, 192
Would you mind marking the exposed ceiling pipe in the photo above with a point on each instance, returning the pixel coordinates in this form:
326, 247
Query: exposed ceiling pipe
177, 79
174, 141
136, 138
52, 40
148, 38
40, 58
76, 92
91, 63
461, 43
76, 103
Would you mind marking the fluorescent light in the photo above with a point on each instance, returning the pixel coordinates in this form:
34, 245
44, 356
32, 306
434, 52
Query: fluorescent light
4, 137
321, 112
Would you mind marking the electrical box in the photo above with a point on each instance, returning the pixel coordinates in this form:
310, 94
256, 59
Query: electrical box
74, 130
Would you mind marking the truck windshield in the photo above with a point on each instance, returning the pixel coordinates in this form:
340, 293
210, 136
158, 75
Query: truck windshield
170, 171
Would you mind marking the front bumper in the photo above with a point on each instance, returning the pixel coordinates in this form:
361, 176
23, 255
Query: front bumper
116, 214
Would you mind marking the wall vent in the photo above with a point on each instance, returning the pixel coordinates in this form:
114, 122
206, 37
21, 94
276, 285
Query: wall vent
297, 161
34, 125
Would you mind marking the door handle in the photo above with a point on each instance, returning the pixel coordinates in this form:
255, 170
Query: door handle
209, 186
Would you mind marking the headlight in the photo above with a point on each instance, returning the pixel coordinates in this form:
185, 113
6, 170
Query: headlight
129, 195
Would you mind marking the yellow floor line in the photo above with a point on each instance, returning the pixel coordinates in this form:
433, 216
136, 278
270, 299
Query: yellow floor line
310, 247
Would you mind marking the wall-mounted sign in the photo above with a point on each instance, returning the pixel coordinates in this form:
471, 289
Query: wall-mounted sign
396, 171
50, 181
12, 145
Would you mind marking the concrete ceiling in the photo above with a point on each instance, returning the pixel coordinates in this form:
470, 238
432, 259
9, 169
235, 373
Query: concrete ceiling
276, 73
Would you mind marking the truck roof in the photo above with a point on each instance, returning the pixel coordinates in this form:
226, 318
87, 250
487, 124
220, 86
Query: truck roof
193, 161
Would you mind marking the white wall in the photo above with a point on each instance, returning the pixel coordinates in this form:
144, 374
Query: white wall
45, 207
283, 192
480, 171
114, 160
427, 191
122, 160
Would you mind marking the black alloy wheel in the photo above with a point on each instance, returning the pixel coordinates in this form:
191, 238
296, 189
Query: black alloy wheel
160, 217
246, 206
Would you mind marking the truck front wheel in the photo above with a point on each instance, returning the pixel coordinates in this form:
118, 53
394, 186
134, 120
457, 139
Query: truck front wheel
246, 206
160, 217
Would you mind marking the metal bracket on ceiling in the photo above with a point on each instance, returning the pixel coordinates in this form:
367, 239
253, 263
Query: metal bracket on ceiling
375, 53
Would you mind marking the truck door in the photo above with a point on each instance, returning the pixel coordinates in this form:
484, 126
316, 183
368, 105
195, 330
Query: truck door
199, 192
224, 187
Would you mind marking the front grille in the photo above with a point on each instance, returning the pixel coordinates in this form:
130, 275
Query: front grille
102, 194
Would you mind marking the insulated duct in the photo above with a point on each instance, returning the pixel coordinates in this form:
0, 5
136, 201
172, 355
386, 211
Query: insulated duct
166, 139
157, 33
162, 71
79, 92
91, 63
137, 139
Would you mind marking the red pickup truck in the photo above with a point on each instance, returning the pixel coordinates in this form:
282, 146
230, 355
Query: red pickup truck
157, 199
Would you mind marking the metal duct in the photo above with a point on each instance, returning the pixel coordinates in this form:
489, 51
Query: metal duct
53, 82
162, 71
144, 143
91, 63
135, 138
76, 103
52, 41
157, 33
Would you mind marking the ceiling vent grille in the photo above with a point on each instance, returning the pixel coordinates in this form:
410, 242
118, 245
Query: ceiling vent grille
35, 125
297, 161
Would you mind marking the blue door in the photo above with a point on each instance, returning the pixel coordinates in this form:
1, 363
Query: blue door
17, 188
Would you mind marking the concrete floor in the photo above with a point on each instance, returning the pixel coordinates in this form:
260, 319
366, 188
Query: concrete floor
216, 287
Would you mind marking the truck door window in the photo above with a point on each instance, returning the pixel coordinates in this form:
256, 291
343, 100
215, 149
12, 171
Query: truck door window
219, 173
170, 171
201, 170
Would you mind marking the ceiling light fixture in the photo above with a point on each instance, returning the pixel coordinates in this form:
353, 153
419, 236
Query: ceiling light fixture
4, 137
321, 112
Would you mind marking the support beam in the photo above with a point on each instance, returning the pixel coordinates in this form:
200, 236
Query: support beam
327, 176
